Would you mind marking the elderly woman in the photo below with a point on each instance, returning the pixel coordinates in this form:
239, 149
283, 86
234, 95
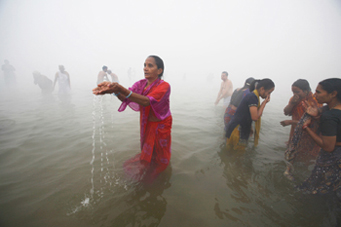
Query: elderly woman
325, 176
149, 96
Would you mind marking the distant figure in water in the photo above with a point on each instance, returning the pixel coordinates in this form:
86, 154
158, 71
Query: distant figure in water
114, 77
45, 84
102, 75
303, 147
149, 96
63, 79
225, 91
236, 98
9, 75
249, 110
326, 175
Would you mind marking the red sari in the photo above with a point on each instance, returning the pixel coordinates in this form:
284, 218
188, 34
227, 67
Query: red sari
155, 136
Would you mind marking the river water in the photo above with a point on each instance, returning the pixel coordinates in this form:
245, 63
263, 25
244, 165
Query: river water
61, 165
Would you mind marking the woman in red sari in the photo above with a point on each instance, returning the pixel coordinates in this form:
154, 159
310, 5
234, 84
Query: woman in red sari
149, 96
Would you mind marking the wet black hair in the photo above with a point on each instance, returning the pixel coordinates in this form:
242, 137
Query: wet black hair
159, 64
267, 84
302, 84
248, 81
104, 67
332, 84
225, 73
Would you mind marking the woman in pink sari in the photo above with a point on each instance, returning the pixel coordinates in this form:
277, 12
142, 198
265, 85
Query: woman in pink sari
149, 96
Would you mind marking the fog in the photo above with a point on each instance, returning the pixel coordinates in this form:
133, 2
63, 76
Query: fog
283, 40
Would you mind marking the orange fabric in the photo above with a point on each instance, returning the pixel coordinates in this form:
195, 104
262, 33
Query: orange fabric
298, 111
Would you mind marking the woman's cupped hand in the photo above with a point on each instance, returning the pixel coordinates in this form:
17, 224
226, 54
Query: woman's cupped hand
106, 88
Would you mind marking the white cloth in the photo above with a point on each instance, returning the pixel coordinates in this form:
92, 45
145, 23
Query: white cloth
63, 83
227, 101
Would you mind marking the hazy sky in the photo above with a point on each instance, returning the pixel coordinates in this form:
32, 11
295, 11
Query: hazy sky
280, 39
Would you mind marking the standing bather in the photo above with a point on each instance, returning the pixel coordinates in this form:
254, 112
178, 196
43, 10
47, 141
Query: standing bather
236, 98
114, 77
9, 75
326, 175
300, 144
149, 96
225, 91
63, 79
249, 110
102, 75
43, 82
295, 108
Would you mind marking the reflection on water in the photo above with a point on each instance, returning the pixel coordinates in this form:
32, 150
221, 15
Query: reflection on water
145, 205
61, 165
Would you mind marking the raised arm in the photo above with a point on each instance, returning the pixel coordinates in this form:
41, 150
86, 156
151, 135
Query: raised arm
326, 142
256, 112
121, 92
288, 122
134, 97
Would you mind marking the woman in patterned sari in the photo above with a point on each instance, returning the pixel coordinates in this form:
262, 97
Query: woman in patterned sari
326, 175
300, 145
295, 108
149, 96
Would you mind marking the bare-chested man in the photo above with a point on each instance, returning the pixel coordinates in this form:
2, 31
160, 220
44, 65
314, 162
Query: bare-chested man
102, 75
225, 91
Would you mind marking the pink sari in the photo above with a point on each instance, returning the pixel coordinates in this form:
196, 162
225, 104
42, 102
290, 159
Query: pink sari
155, 136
